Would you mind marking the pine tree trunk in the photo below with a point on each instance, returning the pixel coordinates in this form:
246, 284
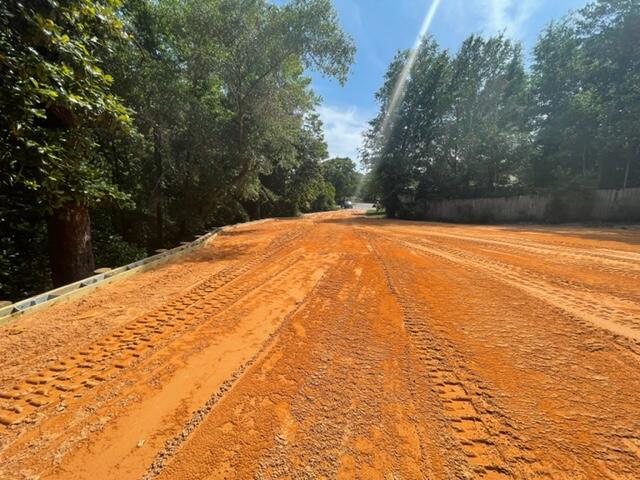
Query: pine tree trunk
628, 168
157, 155
70, 250
626, 174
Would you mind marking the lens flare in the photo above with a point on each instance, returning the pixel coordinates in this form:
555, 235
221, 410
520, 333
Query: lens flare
401, 83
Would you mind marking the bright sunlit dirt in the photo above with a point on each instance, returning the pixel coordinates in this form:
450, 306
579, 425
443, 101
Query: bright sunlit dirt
340, 346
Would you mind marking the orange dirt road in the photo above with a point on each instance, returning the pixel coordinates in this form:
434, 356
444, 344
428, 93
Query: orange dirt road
339, 346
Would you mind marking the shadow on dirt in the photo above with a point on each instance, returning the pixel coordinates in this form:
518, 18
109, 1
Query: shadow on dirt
629, 234
216, 253
237, 233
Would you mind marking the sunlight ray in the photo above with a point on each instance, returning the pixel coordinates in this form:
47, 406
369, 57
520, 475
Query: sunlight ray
400, 86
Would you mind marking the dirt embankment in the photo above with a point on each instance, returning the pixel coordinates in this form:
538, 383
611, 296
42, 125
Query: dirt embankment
338, 346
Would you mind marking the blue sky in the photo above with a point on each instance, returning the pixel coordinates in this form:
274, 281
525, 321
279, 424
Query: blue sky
382, 27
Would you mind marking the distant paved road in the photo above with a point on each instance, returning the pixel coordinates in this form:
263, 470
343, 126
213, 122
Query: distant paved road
363, 206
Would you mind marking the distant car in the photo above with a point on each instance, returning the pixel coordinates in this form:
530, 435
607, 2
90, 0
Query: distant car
347, 204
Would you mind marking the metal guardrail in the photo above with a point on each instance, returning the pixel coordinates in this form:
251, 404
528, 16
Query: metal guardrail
61, 292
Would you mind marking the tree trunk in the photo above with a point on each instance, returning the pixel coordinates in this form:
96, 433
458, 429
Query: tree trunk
159, 225
601, 176
258, 209
70, 250
626, 174
628, 168
157, 156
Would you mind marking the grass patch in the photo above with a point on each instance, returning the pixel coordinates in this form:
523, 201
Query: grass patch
372, 212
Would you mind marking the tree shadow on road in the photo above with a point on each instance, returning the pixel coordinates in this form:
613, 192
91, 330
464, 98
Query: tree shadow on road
237, 233
629, 234
217, 253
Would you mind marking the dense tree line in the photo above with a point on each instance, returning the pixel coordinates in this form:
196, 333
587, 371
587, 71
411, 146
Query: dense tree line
478, 123
126, 127
341, 174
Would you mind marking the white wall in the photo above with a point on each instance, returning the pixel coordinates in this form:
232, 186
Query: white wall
600, 205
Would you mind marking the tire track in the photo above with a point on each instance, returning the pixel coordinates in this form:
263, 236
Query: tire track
492, 448
353, 348
109, 356
624, 261
320, 404
603, 310
172, 445
628, 269
326, 289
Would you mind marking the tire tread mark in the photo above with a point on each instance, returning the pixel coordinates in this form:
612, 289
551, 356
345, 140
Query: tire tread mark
111, 354
493, 449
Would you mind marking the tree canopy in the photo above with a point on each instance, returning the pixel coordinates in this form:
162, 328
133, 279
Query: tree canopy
342, 174
126, 127
478, 123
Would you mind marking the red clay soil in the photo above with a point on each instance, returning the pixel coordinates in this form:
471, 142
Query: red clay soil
339, 346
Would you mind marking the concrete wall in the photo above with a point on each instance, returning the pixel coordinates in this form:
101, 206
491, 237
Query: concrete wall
617, 204
598, 205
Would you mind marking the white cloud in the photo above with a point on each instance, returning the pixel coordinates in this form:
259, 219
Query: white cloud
509, 16
343, 129
490, 16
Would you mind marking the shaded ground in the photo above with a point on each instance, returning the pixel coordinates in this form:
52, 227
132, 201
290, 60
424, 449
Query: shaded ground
338, 346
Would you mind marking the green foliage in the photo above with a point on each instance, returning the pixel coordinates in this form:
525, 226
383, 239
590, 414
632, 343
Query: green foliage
326, 198
23, 245
342, 174
460, 129
586, 85
112, 251
367, 189
477, 124
292, 187
55, 99
224, 128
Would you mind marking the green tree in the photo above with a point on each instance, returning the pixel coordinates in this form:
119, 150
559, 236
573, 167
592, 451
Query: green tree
293, 187
566, 113
460, 129
218, 123
400, 145
269, 95
485, 128
368, 190
55, 103
223, 107
342, 174
586, 78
